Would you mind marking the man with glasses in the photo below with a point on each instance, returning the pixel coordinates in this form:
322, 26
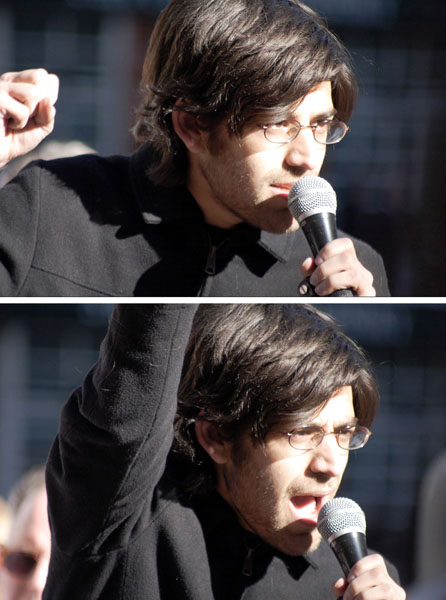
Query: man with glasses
240, 100
25, 557
216, 495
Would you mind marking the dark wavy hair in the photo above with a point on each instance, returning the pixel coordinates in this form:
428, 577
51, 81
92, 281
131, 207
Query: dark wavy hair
233, 60
259, 368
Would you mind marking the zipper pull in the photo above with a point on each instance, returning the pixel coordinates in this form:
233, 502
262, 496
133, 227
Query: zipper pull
211, 262
247, 565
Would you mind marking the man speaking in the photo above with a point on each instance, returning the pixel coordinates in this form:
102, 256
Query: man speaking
204, 479
240, 100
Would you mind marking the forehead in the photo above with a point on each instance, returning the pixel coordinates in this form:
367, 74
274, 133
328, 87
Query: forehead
318, 101
338, 409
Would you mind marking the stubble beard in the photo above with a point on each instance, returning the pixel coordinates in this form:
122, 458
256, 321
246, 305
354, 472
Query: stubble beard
238, 195
260, 512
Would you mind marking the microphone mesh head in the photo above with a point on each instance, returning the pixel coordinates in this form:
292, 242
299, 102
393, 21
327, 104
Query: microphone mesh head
339, 516
311, 195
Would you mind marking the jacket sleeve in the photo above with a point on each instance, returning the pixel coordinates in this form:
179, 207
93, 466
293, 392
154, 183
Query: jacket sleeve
19, 219
380, 282
116, 431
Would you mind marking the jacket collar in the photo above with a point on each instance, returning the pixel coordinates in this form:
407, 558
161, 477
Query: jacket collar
163, 205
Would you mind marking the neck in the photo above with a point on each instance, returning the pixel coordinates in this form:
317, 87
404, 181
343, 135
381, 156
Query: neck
214, 212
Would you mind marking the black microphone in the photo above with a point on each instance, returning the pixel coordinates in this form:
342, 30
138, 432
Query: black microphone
341, 523
312, 202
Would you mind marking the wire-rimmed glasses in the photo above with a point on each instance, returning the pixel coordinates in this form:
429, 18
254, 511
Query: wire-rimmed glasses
329, 131
351, 437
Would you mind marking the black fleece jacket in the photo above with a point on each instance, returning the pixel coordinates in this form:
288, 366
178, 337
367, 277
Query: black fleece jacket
94, 226
122, 529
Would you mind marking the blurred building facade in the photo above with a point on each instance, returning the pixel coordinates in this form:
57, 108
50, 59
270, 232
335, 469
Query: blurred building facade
46, 350
388, 173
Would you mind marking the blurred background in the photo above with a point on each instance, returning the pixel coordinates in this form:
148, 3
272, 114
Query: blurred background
45, 351
389, 172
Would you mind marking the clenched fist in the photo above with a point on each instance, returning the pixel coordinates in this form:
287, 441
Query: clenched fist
27, 111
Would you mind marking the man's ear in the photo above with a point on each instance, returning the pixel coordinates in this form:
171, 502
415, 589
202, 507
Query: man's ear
210, 439
187, 127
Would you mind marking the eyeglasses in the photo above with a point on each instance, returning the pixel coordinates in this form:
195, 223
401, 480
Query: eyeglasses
329, 131
18, 563
351, 437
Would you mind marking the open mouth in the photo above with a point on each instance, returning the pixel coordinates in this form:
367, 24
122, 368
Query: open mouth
306, 508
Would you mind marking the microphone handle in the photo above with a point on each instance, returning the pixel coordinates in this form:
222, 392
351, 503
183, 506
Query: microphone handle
319, 229
346, 293
349, 548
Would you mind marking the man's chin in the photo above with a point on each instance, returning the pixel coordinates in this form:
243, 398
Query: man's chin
299, 544
279, 222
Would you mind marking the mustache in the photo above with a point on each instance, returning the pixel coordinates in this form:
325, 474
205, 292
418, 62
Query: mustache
318, 489
286, 174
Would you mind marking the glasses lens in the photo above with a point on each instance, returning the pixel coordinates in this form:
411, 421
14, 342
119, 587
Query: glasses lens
20, 563
330, 132
281, 133
354, 439
306, 438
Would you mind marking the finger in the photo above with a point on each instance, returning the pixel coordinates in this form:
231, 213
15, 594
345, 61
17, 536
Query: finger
14, 113
307, 267
32, 85
336, 263
334, 247
52, 88
373, 585
357, 281
34, 76
372, 561
339, 587
45, 115
342, 272
370, 579
24, 93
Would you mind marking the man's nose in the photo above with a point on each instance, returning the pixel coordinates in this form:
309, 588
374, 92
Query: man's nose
304, 152
328, 458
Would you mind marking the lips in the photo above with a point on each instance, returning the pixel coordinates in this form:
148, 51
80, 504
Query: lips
283, 186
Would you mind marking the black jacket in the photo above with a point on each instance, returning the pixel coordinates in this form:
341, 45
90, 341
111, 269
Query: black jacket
122, 529
94, 226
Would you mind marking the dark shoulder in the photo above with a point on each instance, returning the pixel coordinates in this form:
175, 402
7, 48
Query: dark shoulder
91, 184
86, 170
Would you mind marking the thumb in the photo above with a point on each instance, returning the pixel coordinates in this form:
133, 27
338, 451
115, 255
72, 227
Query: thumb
45, 114
339, 587
307, 267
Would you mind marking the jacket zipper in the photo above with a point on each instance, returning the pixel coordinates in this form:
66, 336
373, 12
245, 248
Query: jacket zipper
211, 261
247, 564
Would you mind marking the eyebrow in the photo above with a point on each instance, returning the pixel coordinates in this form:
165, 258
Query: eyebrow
325, 115
353, 421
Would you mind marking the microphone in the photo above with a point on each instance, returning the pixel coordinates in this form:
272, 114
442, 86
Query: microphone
312, 202
341, 523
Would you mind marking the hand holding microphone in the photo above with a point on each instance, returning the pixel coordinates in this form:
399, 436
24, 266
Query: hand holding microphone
341, 523
335, 269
